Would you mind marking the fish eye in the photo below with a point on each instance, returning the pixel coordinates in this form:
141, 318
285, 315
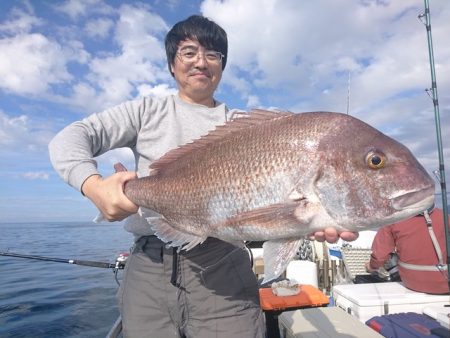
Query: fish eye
375, 160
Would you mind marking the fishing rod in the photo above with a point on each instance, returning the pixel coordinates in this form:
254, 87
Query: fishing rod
434, 96
118, 265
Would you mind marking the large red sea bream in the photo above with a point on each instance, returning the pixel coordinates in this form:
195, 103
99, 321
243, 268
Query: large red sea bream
276, 177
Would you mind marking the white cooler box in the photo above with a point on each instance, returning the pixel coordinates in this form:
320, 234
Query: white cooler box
439, 312
365, 301
323, 322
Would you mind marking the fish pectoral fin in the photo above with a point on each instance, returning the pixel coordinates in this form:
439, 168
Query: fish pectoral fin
277, 254
266, 218
174, 237
288, 214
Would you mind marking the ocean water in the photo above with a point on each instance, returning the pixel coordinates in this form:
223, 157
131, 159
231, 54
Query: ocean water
49, 299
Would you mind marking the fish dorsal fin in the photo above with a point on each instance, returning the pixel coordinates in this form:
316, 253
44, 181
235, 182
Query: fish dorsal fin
254, 118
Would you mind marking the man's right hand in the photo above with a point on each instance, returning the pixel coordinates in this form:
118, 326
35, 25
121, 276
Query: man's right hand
107, 195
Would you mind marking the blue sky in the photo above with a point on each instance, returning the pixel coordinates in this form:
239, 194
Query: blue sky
63, 60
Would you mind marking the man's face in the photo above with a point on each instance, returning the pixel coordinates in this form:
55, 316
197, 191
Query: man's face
196, 74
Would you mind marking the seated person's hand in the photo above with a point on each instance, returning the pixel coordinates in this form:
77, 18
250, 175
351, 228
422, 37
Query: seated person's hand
331, 235
368, 268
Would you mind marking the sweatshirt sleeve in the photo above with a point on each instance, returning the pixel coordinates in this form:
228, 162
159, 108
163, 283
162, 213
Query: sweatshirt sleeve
382, 246
73, 149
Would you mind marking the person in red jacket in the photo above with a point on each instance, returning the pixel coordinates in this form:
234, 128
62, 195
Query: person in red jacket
419, 243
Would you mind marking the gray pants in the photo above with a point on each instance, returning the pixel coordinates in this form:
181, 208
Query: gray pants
210, 291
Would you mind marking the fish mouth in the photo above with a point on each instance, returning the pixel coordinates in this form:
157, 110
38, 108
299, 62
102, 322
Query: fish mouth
418, 199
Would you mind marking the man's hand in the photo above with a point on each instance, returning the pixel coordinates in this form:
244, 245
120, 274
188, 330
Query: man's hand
332, 236
107, 195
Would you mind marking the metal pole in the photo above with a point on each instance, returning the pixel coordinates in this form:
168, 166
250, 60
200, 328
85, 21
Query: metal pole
348, 92
438, 132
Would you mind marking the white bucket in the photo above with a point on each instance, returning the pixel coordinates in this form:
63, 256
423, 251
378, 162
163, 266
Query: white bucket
302, 272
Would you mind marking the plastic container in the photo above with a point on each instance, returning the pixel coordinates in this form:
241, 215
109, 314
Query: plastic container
302, 272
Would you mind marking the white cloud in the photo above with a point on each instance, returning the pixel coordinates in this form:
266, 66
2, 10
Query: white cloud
99, 28
36, 175
160, 90
171, 4
11, 128
253, 101
308, 47
31, 63
22, 133
299, 54
140, 60
76, 9
138, 28
19, 22
111, 77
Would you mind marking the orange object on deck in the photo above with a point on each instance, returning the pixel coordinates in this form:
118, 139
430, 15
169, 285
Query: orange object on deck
309, 296
273, 305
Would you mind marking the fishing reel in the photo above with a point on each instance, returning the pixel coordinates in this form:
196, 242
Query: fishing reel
120, 264
121, 260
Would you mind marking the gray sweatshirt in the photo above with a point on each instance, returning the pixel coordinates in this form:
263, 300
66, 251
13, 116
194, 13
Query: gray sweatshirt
148, 126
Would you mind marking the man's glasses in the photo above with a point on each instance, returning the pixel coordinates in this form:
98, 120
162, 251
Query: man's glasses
191, 55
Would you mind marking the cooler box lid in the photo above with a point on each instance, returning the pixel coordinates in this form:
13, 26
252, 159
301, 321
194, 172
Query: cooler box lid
376, 294
439, 312
323, 322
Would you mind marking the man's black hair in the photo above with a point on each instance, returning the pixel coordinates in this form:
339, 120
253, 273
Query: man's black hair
196, 27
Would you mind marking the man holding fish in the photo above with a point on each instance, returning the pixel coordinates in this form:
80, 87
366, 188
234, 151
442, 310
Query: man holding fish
207, 288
